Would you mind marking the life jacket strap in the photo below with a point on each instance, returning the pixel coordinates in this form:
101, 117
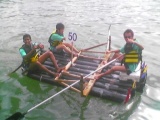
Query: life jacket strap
35, 58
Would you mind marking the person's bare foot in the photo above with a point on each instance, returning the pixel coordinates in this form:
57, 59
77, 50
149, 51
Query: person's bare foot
97, 76
104, 62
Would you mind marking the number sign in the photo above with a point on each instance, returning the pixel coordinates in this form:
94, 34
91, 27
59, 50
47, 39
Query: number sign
72, 36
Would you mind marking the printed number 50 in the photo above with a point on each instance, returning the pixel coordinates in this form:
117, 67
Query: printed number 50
72, 36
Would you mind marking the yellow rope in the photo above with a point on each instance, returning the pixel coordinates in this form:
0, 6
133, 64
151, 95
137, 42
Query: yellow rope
134, 84
145, 69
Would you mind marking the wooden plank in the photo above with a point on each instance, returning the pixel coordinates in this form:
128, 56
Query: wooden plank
90, 84
66, 68
72, 88
95, 52
70, 75
94, 46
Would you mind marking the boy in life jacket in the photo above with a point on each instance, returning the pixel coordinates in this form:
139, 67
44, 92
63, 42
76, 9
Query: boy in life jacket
132, 51
56, 41
31, 59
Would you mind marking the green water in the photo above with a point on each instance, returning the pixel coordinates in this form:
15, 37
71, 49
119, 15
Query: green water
90, 20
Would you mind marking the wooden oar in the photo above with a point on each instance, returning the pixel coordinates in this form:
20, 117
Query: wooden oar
95, 52
16, 69
94, 46
92, 58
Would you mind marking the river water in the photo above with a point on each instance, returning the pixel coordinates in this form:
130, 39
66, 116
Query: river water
90, 20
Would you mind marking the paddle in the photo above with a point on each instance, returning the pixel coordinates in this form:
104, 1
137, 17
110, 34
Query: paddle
89, 51
83, 50
16, 69
18, 115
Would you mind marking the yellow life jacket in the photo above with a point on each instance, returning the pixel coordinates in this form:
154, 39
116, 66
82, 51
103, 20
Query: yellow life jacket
35, 58
132, 57
54, 43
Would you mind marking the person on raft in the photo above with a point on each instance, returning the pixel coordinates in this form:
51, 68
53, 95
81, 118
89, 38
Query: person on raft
132, 51
31, 59
56, 41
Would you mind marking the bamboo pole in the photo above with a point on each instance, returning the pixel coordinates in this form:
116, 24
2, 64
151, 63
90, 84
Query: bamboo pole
92, 58
61, 80
72, 88
95, 52
94, 47
73, 75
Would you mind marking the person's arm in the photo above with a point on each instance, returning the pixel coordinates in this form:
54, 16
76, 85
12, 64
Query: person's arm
41, 46
139, 45
115, 51
136, 43
22, 52
26, 56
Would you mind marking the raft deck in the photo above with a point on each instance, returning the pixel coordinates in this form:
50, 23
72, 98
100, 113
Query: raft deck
108, 87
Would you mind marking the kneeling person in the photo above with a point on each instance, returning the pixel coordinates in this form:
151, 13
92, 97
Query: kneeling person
31, 59
56, 41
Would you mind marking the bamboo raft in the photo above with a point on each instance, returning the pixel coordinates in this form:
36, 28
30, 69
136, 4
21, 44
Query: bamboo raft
114, 87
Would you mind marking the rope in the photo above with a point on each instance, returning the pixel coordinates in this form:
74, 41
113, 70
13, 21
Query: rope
134, 84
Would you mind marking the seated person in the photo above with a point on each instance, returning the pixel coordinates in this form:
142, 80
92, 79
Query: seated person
56, 41
31, 59
132, 55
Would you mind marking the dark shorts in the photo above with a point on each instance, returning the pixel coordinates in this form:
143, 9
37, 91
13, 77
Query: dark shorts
33, 68
54, 50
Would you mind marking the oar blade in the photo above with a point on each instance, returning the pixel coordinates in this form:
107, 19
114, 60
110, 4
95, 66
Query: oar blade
16, 116
15, 69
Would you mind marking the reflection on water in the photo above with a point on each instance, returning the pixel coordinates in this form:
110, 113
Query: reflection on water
90, 20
